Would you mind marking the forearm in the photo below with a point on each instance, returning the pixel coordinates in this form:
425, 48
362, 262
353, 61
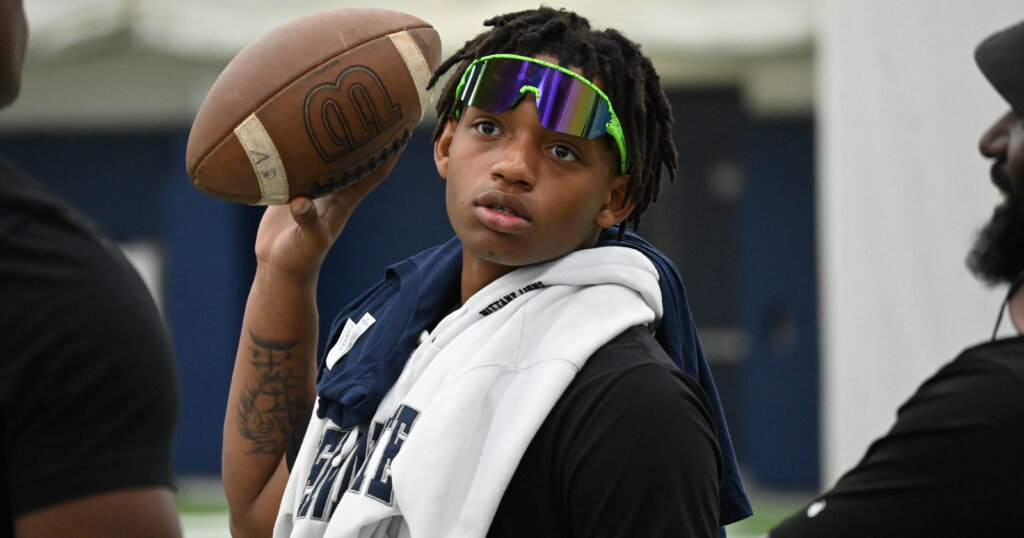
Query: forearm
272, 387
122, 513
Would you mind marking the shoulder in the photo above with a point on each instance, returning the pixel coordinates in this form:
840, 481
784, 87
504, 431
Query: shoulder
950, 465
978, 398
634, 367
20, 198
71, 294
630, 449
632, 388
1005, 355
39, 230
80, 336
985, 380
50, 250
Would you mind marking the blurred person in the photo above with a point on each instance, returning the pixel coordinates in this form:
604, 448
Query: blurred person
537, 375
88, 385
953, 462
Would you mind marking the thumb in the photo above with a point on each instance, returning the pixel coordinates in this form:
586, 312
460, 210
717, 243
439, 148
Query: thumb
303, 211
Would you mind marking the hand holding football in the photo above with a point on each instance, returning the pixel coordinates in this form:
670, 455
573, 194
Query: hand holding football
313, 106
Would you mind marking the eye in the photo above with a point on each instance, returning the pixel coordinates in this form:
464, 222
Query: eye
564, 153
488, 128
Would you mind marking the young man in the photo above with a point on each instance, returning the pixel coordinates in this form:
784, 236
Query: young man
952, 463
88, 387
506, 383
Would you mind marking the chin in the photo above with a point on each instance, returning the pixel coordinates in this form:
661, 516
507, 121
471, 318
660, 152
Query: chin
510, 256
8, 93
997, 256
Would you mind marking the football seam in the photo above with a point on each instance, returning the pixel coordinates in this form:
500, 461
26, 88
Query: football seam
204, 188
316, 189
202, 160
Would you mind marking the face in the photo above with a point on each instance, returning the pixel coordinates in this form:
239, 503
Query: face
13, 37
998, 253
518, 193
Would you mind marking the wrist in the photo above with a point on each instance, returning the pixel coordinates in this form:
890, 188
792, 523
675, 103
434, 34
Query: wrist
268, 274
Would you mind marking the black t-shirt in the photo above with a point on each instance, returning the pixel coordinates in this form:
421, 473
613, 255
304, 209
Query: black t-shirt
88, 384
952, 464
629, 450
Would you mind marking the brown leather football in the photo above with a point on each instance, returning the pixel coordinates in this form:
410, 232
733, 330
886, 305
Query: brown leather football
314, 105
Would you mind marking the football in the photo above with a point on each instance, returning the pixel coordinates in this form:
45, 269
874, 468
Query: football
312, 106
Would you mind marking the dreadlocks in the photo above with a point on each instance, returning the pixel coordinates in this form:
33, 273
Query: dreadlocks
627, 76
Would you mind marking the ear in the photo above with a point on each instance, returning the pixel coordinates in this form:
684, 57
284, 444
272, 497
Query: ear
443, 146
616, 207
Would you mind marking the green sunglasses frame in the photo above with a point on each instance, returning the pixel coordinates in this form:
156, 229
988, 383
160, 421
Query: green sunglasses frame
613, 128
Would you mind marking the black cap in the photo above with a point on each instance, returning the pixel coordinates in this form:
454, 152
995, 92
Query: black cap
1001, 58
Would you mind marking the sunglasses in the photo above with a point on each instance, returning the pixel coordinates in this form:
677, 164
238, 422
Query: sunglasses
566, 102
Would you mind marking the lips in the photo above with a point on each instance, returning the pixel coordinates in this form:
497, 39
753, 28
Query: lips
1000, 177
500, 202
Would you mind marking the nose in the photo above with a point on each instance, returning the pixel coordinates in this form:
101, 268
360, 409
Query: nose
996, 139
515, 168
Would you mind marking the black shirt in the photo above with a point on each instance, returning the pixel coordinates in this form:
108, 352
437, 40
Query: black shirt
88, 385
952, 464
629, 450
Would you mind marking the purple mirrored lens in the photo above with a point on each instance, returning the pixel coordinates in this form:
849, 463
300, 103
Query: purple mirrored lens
565, 104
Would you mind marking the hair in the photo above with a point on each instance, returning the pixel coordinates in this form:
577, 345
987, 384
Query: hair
628, 77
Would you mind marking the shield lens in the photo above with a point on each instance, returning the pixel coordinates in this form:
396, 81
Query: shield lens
566, 102
567, 105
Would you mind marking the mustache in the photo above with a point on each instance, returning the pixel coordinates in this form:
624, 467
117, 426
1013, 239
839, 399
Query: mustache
1001, 178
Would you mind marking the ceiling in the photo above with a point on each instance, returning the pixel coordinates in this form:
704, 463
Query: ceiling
110, 62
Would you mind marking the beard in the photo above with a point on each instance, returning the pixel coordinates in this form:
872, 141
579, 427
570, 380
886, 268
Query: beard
997, 256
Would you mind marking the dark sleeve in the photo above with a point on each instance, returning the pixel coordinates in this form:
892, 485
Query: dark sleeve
644, 459
950, 466
629, 450
294, 441
89, 389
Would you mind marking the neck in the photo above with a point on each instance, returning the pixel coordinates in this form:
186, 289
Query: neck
476, 275
1016, 308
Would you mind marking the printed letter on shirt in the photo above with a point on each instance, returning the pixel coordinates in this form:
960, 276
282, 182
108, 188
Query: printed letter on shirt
317, 501
401, 424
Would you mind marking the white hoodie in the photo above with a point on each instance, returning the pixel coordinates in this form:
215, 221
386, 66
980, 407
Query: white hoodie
448, 436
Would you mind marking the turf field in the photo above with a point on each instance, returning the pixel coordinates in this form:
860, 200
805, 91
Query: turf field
203, 510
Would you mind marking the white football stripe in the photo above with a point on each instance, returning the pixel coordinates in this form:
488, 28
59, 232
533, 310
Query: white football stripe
416, 64
266, 162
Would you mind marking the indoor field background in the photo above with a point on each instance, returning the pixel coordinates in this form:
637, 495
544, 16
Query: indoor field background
829, 188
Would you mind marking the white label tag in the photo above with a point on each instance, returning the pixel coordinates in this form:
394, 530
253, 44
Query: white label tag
364, 323
349, 334
342, 346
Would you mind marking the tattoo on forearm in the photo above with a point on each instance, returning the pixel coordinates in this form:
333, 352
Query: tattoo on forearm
275, 400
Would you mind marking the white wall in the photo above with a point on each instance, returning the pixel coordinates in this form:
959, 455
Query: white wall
148, 259
900, 106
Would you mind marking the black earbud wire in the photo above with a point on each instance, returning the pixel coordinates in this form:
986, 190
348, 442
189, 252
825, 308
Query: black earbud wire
1014, 286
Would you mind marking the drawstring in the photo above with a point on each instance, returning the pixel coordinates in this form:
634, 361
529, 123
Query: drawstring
1013, 289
